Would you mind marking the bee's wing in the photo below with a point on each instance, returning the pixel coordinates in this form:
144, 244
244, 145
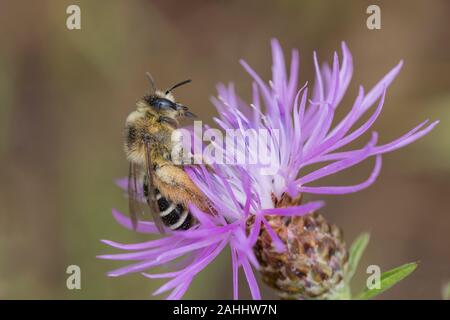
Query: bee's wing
151, 199
133, 201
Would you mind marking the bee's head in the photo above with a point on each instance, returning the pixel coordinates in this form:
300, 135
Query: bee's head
163, 102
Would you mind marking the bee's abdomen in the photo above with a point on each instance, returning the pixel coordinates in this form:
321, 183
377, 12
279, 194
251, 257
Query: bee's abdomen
174, 216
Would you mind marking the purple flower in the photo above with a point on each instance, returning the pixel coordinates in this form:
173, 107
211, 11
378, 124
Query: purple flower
241, 195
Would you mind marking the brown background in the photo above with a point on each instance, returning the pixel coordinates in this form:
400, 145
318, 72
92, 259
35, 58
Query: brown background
64, 96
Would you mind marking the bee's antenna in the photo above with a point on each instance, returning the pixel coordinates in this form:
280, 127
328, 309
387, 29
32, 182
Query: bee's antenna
152, 82
178, 85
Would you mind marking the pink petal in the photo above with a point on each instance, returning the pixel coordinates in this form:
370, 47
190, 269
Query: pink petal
346, 189
142, 226
295, 210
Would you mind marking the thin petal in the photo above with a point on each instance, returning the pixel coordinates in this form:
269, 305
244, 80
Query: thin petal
179, 291
346, 189
276, 241
190, 247
142, 226
296, 210
193, 269
401, 142
235, 267
139, 246
252, 283
340, 165
377, 90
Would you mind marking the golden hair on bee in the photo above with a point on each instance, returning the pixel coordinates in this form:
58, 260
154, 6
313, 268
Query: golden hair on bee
167, 188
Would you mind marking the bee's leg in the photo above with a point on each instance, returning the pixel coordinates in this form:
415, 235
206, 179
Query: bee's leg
174, 176
189, 114
183, 111
175, 182
168, 120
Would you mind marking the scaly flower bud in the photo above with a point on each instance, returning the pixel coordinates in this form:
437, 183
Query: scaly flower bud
314, 262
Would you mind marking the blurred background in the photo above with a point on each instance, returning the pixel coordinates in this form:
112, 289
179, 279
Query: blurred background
64, 96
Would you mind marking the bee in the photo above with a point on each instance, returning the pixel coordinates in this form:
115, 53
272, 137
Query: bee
167, 188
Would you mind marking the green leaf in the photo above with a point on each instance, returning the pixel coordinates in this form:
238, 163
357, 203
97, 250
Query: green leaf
446, 291
356, 252
388, 279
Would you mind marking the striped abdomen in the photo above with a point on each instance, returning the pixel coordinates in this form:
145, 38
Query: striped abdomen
174, 216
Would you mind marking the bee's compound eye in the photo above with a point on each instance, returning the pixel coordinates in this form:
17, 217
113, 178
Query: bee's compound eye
162, 103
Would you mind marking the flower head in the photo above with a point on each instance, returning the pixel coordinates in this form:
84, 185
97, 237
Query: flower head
301, 134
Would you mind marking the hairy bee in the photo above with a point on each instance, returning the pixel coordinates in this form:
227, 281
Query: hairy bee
167, 188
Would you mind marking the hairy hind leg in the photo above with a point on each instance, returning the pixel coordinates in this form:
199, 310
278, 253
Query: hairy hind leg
174, 183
